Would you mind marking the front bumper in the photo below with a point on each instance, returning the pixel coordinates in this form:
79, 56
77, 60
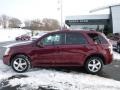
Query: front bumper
6, 59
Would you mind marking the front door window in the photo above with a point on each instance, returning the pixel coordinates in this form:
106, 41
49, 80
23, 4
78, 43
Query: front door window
55, 39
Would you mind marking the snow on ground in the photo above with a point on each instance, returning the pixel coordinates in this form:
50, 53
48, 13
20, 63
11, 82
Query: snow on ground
57, 80
116, 56
10, 34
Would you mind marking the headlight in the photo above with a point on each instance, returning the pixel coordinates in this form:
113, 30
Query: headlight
7, 51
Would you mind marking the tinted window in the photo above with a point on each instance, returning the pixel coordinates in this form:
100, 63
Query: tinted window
97, 38
54, 39
75, 38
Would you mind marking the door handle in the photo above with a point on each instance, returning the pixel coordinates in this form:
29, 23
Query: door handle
85, 46
58, 49
56, 46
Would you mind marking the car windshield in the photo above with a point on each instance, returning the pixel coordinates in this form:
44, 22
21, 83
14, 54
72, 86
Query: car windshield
38, 35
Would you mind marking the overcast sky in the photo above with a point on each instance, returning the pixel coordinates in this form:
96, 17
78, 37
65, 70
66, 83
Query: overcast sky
31, 9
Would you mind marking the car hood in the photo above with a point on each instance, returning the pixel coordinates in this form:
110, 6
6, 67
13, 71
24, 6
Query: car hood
18, 44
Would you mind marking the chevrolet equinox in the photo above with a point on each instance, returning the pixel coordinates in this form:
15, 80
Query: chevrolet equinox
89, 49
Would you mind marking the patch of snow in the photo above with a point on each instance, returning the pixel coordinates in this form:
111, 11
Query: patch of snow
11, 34
58, 80
116, 56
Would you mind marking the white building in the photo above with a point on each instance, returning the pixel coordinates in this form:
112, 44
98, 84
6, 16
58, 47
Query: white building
107, 23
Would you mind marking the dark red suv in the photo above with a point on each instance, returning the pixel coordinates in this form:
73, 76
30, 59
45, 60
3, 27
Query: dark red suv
89, 49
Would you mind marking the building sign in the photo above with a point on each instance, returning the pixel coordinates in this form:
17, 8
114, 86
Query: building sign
77, 21
87, 22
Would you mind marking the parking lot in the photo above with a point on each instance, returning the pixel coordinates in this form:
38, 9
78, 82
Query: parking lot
111, 71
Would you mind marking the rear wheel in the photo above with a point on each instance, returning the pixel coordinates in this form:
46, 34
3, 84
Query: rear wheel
17, 39
94, 65
118, 48
20, 63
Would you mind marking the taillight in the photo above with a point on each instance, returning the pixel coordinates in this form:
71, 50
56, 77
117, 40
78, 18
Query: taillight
111, 48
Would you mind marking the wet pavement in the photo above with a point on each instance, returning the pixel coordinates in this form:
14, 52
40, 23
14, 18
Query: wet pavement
111, 71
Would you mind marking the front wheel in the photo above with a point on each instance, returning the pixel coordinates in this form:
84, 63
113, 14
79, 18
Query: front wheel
94, 65
20, 63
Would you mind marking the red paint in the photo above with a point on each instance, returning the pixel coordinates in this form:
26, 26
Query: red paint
61, 55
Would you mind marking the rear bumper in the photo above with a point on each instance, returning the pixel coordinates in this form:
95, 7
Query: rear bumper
109, 59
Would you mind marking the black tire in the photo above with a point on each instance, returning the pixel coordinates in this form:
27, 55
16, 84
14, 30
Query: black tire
17, 39
118, 48
97, 65
20, 63
28, 39
22, 39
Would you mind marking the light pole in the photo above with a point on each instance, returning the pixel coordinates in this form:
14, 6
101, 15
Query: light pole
61, 14
60, 8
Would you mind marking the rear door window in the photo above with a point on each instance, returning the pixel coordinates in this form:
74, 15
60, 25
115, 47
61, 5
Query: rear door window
97, 38
75, 38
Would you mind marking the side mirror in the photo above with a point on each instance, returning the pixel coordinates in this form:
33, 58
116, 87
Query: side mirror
39, 44
96, 43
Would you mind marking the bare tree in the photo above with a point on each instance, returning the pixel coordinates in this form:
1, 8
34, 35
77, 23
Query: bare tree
36, 24
33, 24
45, 24
50, 24
55, 24
14, 23
4, 20
27, 24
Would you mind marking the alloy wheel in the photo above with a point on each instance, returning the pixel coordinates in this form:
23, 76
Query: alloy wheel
94, 65
20, 64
